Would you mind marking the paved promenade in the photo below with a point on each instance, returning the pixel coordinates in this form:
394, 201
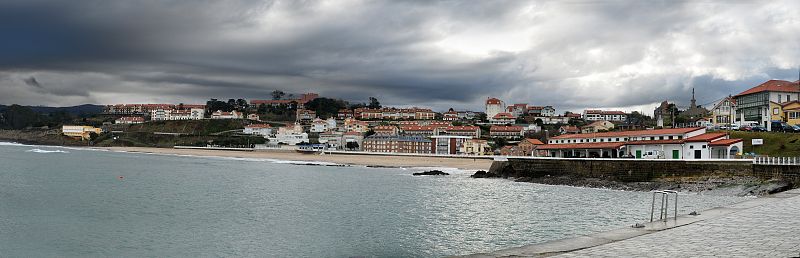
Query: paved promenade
763, 227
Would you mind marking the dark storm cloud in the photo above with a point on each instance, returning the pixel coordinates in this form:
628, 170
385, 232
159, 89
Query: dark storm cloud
570, 54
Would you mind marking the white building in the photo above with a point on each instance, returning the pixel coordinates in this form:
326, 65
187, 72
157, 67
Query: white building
502, 118
161, 114
494, 106
259, 129
597, 115
219, 114
129, 120
290, 135
448, 144
319, 125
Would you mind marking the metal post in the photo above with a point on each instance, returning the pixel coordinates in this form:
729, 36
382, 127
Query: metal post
653, 207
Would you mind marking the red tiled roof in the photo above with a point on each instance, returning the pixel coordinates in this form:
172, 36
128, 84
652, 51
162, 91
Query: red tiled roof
259, 126
725, 142
570, 128
418, 128
534, 141
505, 128
462, 128
593, 145
503, 116
773, 85
631, 133
706, 137
673, 141
493, 101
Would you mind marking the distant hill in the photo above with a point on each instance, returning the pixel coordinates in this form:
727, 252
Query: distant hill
85, 109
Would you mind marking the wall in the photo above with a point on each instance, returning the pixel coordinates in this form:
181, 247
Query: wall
625, 170
786, 172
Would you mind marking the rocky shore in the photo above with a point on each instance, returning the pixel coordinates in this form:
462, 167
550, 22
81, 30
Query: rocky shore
715, 185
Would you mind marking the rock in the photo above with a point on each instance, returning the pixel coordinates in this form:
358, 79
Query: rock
431, 173
694, 213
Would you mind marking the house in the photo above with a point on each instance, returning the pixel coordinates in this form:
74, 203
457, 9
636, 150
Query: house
344, 114
386, 130
353, 125
791, 112
332, 139
502, 118
509, 150
394, 114
353, 140
471, 131
517, 110
129, 120
568, 129
541, 111
598, 126
553, 120
425, 123
494, 106
672, 143
450, 115
527, 147
134, 109
704, 122
80, 131
259, 129
161, 114
319, 125
291, 135
508, 132
253, 117
531, 128
597, 115
448, 144
397, 144
757, 104
219, 114
467, 115
422, 131
724, 112
305, 116
476, 147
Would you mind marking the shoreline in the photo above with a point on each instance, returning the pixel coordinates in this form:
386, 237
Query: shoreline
343, 159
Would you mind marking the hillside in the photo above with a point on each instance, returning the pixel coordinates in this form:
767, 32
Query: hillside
775, 144
85, 109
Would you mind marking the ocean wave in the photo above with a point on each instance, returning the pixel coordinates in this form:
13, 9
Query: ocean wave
46, 151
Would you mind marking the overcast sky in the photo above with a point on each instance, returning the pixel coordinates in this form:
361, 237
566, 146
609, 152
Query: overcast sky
569, 54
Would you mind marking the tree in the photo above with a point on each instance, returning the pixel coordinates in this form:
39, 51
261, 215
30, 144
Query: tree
262, 108
539, 122
276, 95
457, 123
373, 103
482, 117
325, 107
242, 104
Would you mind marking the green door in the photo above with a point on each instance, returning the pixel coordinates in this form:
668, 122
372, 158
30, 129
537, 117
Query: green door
676, 154
638, 154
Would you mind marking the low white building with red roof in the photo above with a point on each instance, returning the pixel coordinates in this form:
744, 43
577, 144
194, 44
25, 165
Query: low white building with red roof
608, 115
673, 143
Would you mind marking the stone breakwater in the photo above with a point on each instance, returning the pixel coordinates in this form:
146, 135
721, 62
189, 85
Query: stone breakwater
730, 177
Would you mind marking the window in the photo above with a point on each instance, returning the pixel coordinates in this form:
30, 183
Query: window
788, 97
691, 146
775, 111
704, 146
779, 99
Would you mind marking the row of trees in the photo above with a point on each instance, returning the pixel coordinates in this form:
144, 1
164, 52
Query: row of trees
20, 117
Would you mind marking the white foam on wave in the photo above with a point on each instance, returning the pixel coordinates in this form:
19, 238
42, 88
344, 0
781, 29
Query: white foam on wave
12, 144
46, 151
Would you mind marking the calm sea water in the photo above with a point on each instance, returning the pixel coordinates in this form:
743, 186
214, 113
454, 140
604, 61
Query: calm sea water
61, 202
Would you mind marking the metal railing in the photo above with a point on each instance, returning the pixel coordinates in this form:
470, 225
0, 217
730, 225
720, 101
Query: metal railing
664, 208
789, 161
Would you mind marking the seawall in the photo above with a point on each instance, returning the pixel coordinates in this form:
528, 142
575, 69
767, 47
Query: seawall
638, 170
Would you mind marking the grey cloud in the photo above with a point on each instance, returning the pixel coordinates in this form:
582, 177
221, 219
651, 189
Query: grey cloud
570, 54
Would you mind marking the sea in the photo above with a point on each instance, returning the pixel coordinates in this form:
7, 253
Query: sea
77, 202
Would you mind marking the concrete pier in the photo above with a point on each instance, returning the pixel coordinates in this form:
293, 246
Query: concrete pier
762, 227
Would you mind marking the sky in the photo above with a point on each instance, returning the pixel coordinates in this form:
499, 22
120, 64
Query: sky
627, 55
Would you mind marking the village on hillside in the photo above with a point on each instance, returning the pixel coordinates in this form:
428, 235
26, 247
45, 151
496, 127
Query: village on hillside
311, 122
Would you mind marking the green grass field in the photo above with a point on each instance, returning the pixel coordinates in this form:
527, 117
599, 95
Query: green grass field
776, 144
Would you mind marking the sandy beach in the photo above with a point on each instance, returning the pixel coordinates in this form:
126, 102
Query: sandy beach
349, 159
